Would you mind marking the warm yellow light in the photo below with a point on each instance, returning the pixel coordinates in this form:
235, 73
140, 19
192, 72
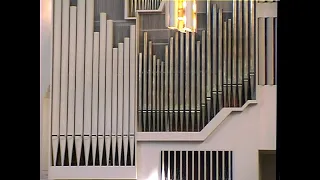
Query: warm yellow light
182, 15
194, 7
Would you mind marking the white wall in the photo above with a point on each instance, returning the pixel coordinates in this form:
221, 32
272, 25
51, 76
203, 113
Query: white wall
243, 133
45, 44
267, 118
45, 134
45, 59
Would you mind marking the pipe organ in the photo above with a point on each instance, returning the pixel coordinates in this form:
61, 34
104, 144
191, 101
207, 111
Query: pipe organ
120, 77
198, 73
93, 89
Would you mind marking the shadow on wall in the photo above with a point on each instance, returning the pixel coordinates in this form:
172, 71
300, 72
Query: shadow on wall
267, 163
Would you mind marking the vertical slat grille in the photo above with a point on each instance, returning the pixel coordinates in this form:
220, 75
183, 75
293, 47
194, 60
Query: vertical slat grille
196, 165
134, 5
267, 50
202, 72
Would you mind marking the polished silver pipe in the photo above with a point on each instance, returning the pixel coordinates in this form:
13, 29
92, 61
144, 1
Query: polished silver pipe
102, 69
203, 78
176, 79
56, 83
133, 108
145, 76
114, 108
140, 92
225, 65
171, 87
138, 5
120, 89
209, 64
182, 81
64, 74
162, 90
134, 8
187, 80
153, 72
220, 59
193, 83
252, 47
234, 54
143, 4
158, 74
245, 50
126, 86
208, 55
131, 8
166, 89
198, 85
229, 64
214, 65
150, 62
240, 52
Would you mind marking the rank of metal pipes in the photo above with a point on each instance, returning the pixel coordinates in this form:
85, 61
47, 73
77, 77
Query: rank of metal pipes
224, 77
93, 90
196, 165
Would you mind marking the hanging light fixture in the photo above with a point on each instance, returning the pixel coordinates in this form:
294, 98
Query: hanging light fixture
181, 15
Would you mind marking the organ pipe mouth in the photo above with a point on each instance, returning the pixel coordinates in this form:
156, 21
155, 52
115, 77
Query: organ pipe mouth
181, 15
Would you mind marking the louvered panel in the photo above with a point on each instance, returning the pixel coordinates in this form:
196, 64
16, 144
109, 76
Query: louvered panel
194, 165
266, 51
